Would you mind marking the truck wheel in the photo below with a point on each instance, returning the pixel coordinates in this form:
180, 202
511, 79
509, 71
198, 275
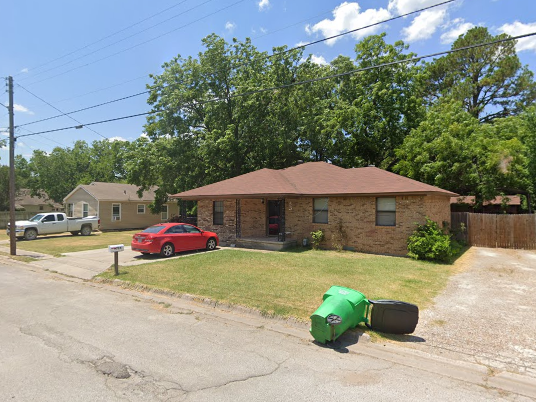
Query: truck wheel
86, 230
30, 234
167, 250
75, 233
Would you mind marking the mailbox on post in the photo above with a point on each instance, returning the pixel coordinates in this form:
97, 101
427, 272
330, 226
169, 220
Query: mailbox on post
116, 248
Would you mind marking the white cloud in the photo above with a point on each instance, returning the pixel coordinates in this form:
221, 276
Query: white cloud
113, 139
458, 27
263, 30
300, 44
346, 17
407, 6
263, 4
22, 109
24, 70
319, 60
424, 25
518, 28
230, 26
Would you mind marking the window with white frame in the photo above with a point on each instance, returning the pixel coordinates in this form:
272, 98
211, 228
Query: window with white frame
85, 209
385, 211
320, 210
141, 209
116, 212
164, 212
70, 210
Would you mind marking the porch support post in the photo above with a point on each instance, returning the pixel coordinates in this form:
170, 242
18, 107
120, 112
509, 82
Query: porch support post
281, 236
238, 220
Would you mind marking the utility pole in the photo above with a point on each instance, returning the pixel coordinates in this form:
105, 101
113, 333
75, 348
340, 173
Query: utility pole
12, 234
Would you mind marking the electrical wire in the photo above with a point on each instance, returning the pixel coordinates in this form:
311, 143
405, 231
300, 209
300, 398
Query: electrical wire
54, 107
104, 89
139, 44
81, 110
408, 60
120, 40
107, 37
302, 46
262, 58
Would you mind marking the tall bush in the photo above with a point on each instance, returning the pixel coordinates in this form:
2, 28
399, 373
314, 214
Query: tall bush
430, 242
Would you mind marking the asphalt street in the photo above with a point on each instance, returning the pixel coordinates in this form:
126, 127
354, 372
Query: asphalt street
66, 339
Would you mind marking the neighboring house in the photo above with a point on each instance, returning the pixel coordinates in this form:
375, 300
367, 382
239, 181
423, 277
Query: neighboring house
366, 209
509, 204
33, 205
117, 205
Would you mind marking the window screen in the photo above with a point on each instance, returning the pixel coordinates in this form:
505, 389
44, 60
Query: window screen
320, 210
164, 212
217, 216
386, 211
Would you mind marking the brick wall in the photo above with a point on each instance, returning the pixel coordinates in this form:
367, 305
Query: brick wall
227, 231
253, 218
355, 217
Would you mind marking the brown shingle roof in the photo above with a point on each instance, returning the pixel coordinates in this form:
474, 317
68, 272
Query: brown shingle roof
470, 199
312, 179
115, 192
24, 197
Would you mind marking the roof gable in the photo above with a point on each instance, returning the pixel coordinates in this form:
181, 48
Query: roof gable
313, 179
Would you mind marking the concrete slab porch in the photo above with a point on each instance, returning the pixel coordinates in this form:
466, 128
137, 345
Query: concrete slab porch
264, 243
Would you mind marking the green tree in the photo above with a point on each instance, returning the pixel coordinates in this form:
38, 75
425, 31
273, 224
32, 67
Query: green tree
59, 172
209, 124
4, 188
489, 81
452, 150
378, 107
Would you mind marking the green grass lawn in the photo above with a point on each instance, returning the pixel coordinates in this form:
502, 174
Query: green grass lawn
291, 283
66, 243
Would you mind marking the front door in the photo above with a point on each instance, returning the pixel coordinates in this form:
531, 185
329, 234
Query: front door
273, 217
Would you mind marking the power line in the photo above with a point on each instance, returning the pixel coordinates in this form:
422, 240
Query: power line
247, 93
54, 107
104, 89
81, 110
122, 40
108, 36
262, 58
141, 43
343, 33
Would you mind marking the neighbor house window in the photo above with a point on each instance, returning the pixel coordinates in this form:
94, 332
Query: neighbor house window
320, 210
85, 210
116, 212
70, 210
386, 211
164, 212
141, 208
41, 208
217, 216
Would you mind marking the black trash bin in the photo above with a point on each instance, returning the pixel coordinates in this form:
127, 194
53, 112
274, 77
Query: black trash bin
393, 316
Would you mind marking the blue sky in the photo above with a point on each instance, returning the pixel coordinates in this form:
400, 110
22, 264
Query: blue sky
78, 54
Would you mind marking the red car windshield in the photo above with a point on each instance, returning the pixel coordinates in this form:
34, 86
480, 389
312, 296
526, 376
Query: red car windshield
154, 229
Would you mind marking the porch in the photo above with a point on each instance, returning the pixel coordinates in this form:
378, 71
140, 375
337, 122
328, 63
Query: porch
264, 243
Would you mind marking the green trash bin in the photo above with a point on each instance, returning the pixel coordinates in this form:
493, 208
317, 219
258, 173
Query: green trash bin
348, 304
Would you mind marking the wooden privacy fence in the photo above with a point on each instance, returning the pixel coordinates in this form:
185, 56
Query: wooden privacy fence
19, 216
490, 230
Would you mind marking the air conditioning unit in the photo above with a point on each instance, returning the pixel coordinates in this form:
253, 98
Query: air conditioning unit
116, 218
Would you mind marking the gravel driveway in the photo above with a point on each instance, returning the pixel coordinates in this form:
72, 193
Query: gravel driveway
487, 313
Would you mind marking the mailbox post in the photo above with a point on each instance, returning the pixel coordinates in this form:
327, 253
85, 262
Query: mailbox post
116, 248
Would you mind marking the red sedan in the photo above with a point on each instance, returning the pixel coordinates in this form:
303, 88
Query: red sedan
170, 238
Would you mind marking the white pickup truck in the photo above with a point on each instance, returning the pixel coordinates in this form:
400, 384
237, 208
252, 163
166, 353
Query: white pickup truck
54, 222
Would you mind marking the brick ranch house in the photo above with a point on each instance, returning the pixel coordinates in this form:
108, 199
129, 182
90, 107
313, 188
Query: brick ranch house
376, 210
